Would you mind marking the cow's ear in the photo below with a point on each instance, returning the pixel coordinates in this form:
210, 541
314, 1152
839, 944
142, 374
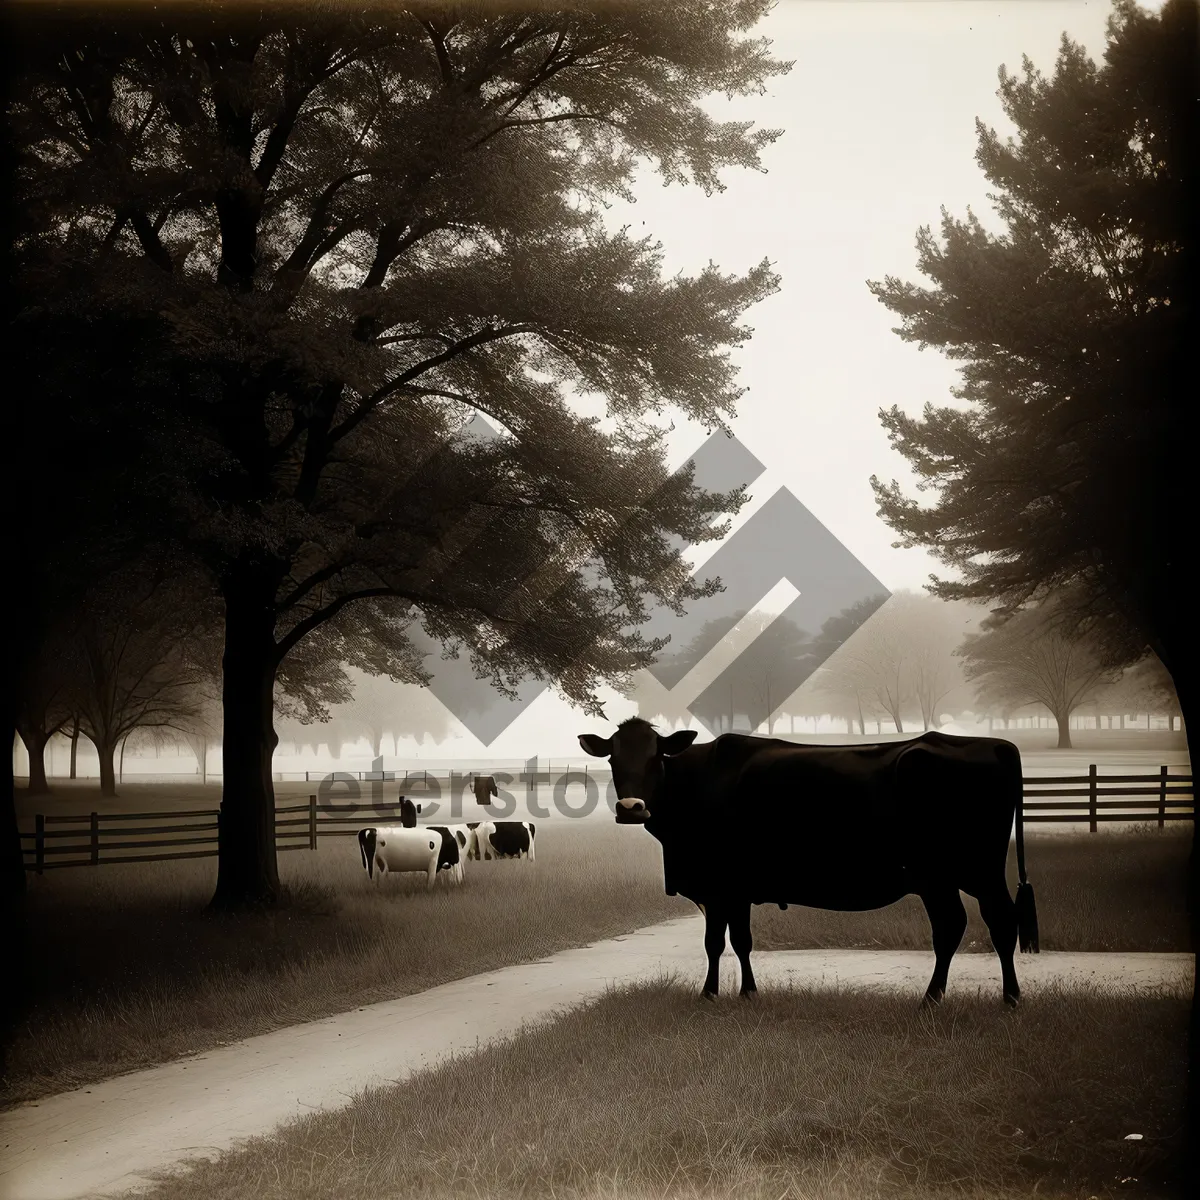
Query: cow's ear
677, 742
418, 808
596, 746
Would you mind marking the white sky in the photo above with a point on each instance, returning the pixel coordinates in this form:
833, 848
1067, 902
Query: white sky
879, 117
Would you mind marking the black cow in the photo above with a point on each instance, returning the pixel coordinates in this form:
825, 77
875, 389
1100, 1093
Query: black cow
869, 824
408, 813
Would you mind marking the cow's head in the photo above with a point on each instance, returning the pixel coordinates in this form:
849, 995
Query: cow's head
635, 753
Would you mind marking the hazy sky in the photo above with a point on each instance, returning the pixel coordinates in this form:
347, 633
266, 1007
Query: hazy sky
879, 116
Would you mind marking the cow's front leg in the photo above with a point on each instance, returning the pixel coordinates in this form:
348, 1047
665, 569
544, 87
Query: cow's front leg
715, 921
742, 942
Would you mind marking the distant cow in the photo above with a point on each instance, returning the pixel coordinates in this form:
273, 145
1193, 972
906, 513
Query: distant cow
394, 848
484, 787
408, 813
503, 839
867, 825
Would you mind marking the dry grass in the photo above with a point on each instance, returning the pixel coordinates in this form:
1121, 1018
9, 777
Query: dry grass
803, 1094
124, 969
1108, 891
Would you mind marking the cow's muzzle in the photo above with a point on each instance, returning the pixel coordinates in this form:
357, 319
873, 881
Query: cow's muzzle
632, 811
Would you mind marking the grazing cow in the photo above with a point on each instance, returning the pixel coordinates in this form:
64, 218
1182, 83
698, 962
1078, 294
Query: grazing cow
503, 839
408, 813
395, 848
463, 838
870, 823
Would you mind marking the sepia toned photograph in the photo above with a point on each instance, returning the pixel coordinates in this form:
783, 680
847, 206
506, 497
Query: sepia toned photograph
601, 600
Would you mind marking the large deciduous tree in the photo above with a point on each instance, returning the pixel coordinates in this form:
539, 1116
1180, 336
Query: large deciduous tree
1034, 658
1070, 461
354, 230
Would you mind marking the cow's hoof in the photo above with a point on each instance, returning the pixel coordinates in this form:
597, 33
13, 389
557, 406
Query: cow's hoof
749, 993
1011, 1001
933, 999
707, 995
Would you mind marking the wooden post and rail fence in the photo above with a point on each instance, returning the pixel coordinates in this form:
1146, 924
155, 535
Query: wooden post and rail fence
99, 839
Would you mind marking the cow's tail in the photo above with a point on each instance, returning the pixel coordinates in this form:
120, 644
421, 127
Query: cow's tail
366, 846
1027, 922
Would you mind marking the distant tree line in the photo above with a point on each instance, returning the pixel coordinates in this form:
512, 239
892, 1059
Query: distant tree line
909, 664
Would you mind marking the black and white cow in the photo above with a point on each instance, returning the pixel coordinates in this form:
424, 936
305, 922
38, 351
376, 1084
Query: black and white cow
503, 839
462, 837
396, 849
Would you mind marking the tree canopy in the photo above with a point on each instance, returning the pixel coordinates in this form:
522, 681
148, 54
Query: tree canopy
1067, 457
344, 235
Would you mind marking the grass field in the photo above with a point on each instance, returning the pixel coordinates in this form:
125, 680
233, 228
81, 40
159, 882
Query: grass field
648, 1093
123, 968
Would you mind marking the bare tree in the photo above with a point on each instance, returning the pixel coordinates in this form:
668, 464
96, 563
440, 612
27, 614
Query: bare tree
44, 710
871, 668
933, 629
136, 663
1035, 657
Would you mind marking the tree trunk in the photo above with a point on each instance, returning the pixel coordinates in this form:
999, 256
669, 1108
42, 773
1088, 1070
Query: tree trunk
108, 777
1063, 720
35, 746
12, 863
1178, 653
247, 868
74, 742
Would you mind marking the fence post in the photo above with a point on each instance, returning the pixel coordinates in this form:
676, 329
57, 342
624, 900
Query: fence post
1162, 796
312, 822
95, 830
1092, 798
39, 844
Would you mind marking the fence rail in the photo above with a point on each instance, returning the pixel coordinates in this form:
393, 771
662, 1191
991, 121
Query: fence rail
1094, 798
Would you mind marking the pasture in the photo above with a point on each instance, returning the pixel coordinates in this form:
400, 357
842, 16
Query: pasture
650, 1093
124, 968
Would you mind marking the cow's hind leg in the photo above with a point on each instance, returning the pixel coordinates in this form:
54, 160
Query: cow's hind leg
948, 921
742, 942
715, 920
999, 914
